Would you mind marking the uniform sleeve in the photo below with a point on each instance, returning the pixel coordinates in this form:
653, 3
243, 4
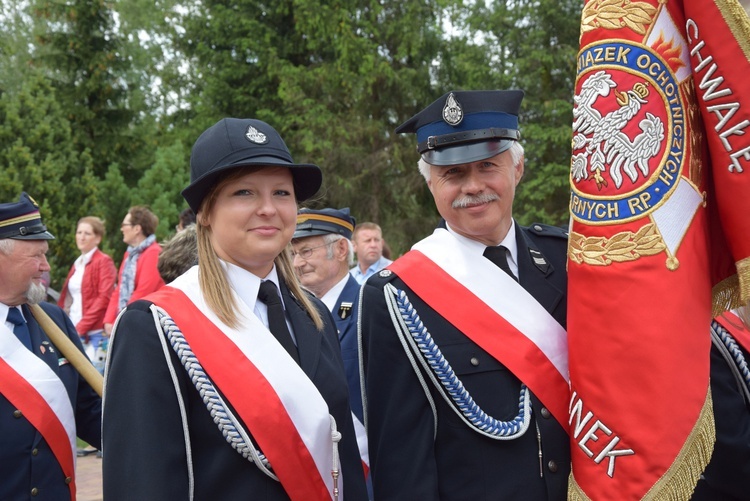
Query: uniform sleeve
144, 445
727, 476
400, 423
88, 405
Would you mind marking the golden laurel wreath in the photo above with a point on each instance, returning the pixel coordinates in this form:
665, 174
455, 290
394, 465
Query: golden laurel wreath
622, 247
616, 14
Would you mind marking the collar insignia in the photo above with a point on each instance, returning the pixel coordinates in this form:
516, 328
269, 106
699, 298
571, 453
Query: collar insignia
452, 111
255, 136
345, 309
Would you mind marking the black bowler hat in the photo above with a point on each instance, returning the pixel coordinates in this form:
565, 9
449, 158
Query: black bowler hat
466, 126
21, 220
243, 142
323, 222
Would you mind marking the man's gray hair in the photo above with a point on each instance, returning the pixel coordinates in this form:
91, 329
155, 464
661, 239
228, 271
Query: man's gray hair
332, 237
6, 245
516, 156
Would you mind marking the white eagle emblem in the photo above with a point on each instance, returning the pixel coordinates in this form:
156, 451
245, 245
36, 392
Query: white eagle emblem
452, 111
602, 137
255, 136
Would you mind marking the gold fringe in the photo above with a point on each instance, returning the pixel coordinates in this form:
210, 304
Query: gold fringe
743, 272
575, 493
726, 295
735, 16
733, 291
679, 481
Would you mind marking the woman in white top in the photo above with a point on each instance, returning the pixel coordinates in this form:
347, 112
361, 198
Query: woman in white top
91, 280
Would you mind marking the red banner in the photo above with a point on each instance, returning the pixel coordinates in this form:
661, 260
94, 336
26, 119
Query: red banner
660, 203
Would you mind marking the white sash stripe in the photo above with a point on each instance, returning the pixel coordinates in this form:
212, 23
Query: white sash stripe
42, 379
359, 430
500, 292
299, 396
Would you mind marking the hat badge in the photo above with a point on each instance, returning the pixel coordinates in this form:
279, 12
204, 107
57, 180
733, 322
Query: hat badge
255, 136
452, 111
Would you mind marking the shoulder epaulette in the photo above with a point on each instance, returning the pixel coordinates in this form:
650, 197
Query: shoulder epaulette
546, 230
381, 277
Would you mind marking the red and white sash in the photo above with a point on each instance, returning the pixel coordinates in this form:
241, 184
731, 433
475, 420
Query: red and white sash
492, 310
286, 415
31, 386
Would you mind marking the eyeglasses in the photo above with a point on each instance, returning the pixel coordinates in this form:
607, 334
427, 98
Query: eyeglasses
307, 252
126, 224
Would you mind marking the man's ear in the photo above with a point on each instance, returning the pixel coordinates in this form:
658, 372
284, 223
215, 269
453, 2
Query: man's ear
342, 249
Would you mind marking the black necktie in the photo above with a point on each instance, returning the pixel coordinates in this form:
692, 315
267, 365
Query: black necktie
498, 256
269, 294
20, 329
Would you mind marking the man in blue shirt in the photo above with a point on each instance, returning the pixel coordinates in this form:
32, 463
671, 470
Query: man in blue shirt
368, 245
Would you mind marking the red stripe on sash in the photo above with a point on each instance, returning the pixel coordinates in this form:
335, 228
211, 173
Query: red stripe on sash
487, 328
251, 396
37, 411
731, 322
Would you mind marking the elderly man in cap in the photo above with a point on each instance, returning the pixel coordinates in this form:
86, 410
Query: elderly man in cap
463, 338
323, 253
44, 403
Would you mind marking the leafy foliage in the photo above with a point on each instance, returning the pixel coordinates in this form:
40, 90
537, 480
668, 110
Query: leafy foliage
110, 96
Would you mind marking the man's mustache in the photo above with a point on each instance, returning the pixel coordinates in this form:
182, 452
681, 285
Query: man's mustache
468, 200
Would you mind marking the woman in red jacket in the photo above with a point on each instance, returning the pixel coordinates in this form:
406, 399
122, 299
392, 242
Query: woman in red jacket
90, 283
139, 275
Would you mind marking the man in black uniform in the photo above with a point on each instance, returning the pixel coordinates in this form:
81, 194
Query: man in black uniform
44, 403
464, 354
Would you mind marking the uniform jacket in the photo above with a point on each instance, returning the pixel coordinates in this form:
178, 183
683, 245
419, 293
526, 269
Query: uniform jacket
347, 329
96, 290
727, 476
144, 447
26, 461
407, 461
147, 280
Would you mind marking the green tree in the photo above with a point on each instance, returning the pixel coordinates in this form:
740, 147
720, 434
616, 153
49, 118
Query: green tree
37, 156
88, 62
335, 80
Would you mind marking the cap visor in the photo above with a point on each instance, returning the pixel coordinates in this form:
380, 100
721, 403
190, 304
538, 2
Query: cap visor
466, 153
45, 235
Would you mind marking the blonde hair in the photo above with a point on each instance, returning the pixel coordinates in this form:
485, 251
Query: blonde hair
97, 225
212, 277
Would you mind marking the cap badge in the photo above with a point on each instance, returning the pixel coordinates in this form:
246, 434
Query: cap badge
452, 112
255, 136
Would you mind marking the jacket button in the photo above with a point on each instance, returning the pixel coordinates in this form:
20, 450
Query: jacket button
34, 491
537, 227
545, 413
17, 414
68, 480
474, 361
34, 452
552, 466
